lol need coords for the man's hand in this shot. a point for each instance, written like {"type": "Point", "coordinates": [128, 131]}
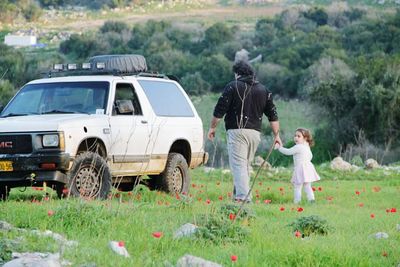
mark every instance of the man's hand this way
{"type": "Point", "coordinates": [211, 134]}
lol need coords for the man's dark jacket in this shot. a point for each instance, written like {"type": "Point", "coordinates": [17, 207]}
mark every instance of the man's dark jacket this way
{"type": "Point", "coordinates": [243, 102]}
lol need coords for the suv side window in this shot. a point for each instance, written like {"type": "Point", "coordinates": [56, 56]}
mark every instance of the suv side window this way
{"type": "Point", "coordinates": [166, 99]}
{"type": "Point", "coordinates": [125, 91]}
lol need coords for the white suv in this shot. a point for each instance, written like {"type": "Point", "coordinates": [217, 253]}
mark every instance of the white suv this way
{"type": "Point", "coordinates": [100, 126]}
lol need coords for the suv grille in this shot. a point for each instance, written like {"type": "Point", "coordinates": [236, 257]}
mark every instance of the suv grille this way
{"type": "Point", "coordinates": [15, 144]}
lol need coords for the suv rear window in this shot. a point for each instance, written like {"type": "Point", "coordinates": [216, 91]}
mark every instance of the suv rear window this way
{"type": "Point", "coordinates": [166, 99]}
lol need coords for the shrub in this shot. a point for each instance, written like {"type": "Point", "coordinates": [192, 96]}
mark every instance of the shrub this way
{"type": "Point", "coordinates": [311, 225]}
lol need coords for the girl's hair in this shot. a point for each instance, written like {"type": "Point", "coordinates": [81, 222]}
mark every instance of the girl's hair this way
{"type": "Point", "coordinates": [307, 135]}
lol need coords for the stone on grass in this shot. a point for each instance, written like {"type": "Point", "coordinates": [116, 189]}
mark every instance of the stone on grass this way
{"type": "Point", "coordinates": [5, 226]}
{"type": "Point", "coordinates": [193, 261]}
{"type": "Point", "coordinates": [186, 230]}
{"type": "Point", "coordinates": [381, 235]}
{"type": "Point", "coordinates": [34, 259]}
{"type": "Point", "coordinates": [57, 237]}
{"type": "Point", "coordinates": [339, 164]}
{"type": "Point", "coordinates": [118, 248]}
{"type": "Point", "coordinates": [398, 227]}
{"type": "Point", "coordinates": [371, 164]}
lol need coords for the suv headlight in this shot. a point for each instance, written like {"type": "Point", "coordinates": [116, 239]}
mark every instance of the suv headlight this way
{"type": "Point", "coordinates": [50, 140]}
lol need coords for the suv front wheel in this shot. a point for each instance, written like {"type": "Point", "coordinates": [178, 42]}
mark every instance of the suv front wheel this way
{"type": "Point", "coordinates": [175, 178]}
{"type": "Point", "coordinates": [89, 177]}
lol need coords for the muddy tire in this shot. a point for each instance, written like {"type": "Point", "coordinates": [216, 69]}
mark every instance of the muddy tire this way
{"type": "Point", "coordinates": [89, 177]}
{"type": "Point", "coordinates": [4, 192]}
{"type": "Point", "coordinates": [175, 178]}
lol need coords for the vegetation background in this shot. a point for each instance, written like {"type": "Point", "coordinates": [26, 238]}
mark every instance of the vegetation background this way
{"type": "Point", "coordinates": [332, 66]}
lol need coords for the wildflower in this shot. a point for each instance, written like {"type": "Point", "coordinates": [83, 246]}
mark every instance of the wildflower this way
{"type": "Point", "coordinates": [393, 210]}
{"type": "Point", "coordinates": [361, 204]}
{"type": "Point", "coordinates": [220, 197]}
{"type": "Point", "coordinates": [281, 189]}
{"type": "Point", "coordinates": [384, 254]}
{"type": "Point", "coordinates": [50, 212]}
{"type": "Point", "coordinates": [234, 258]}
{"type": "Point", "coordinates": [282, 208]}
{"type": "Point", "coordinates": [319, 188]}
{"type": "Point", "coordinates": [300, 209]}
{"type": "Point", "coordinates": [208, 201]}
{"type": "Point", "coordinates": [357, 193]}
{"type": "Point", "coordinates": [267, 201]}
{"type": "Point", "coordinates": [313, 188]}
{"type": "Point", "coordinates": [157, 234]}
{"type": "Point", "coordinates": [232, 216]}
{"type": "Point", "coordinates": [297, 234]}
{"type": "Point", "coordinates": [372, 215]}
{"type": "Point", "coordinates": [121, 244]}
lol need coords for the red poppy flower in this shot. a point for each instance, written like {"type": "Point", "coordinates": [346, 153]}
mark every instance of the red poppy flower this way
{"type": "Point", "coordinates": [300, 209]}
{"type": "Point", "coordinates": [372, 215]}
{"type": "Point", "coordinates": [121, 244]}
{"type": "Point", "coordinates": [387, 210]}
{"type": "Point", "coordinates": [260, 183]}
{"type": "Point", "coordinates": [282, 208]}
{"type": "Point", "coordinates": [220, 197]}
{"type": "Point", "coordinates": [393, 210]}
{"type": "Point", "coordinates": [117, 195]}
{"type": "Point", "coordinates": [361, 204]}
{"type": "Point", "coordinates": [234, 258]}
{"type": "Point", "coordinates": [208, 201]}
{"type": "Point", "coordinates": [319, 188]}
{"type": "Point", "coordinates": [193, 185]}
{"type": "Point", "coordinates": [384, 254]}
{"type": "Point", "coordinates": [257, 196]}
{"type": "Point", "coordinates": [267, 201]}
{"type": "Point", "coordinates": [280, 188]}
{"type": "Point", "coordinates": [50, 212]}
{"type": "Point", "coordinates": [232, 216]}
{"type": "Point", "coordinates": [357, 193]}
{"type": "Point", "coordinates": [157, 234]}
{"type": "Point", "coordinates": [297, 234]}
{"type": "Point", "coordinates": [313, 188]}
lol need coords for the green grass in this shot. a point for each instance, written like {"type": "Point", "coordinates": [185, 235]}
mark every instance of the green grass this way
{"type": "Point", "coordinates": [133, 217]}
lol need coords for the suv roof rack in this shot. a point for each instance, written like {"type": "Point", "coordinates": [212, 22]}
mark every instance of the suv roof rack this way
{"type": "Point", "coordinates": [63, 73]}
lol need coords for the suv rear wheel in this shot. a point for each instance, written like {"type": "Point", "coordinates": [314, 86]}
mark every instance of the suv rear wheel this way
{"type": "Point", "coordinates": [89, 177]}
{"type": "Point", "coordinates": [175, 178]}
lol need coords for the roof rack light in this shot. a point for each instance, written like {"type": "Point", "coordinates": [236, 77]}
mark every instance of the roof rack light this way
{"type": "Point", "coordinates": [72, 66]}
{"type": "Point", "coordinates": [58, 67]}
{"type": "Point", "coordinates": [86, 66]}
{"type": "Point", "coordinates": [100, 65]}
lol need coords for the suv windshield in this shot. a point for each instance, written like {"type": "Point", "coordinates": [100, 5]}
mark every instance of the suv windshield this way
{"type": "Point", "coordinates": [61, 97]}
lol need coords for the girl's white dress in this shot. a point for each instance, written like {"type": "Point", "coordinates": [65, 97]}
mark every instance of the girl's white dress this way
{"type": "Point", "coordinates": [304, 170]}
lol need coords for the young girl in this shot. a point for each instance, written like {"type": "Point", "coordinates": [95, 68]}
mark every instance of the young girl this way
{"type": "Point", "coordinates": [304, 172]}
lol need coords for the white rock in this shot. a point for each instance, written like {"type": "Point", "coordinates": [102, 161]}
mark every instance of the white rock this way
{"type": "Point", "coordinates": [185, 230]}
{"type": "Point", "coordinates": [381, 235]}
{"type": "Point", "coordinates": [339, 164]}
{"type": "Point", "coordinates": [35, 259]}
{"type": "Point", "coordinates": [121, 250]}
{"type": "Point", "coordinates": [192, 261]}
{"type": "Point", "coordinates": [208, 169]}
{"type": "Point", "coordinates": [226, 171]}
{"type": "Point", "coordinates": [371, 164]}
{"type": "Point", "coordinates": [398, 227]}
{"type": "Point", "coordinates": [5, 226]}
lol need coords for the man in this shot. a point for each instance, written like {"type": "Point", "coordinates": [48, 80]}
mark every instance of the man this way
{"type": "Point", "coordinates": [243, 103]}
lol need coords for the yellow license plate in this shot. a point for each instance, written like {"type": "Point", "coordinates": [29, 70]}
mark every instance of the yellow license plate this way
{"type": "Point", "coordinates": [6, 166]}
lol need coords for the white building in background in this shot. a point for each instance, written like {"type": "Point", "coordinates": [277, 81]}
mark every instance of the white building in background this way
{"type": "Point", "coordinates": [20, 40]}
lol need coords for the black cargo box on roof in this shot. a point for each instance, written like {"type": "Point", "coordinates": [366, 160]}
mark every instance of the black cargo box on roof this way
{"type": "Point", "coordinates": [121, 63]}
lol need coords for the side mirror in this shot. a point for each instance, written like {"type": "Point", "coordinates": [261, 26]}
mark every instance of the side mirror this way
{"type": "Point", "coordinates": [124, 107]}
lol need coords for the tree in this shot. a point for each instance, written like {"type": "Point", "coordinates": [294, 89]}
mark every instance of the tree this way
{"type": "Point", "coordinates": [217, 34]}
{"type": "Point", "coordinates": [216, 70]}
{"type": "Point", "coordinates": [194, 84]}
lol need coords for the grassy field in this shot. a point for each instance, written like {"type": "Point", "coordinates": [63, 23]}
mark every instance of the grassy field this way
{"type": "Point", "coordinates": [355, 205]}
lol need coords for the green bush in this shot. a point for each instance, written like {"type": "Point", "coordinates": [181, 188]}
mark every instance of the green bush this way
{"type": "Point", "coordinates": [311, 225]}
